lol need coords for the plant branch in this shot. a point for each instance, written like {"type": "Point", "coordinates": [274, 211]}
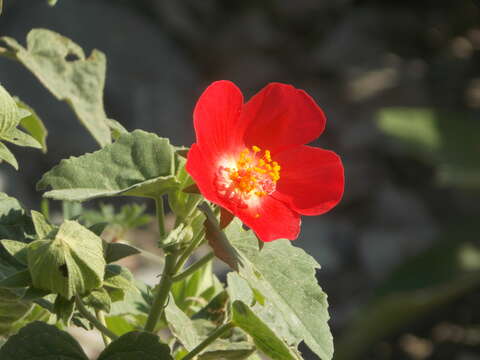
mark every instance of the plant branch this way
{"type": "Point", "coordinates": [93, 320]}
{"type": "Point", "coordinates": [160, 216]}
{"type": "Point", "coordinates": [213, 336]}
{"type": "Point", "coordinates": [101, 318]}
{"type": "Point", "coordinates": [161, 295]}
{"type": "Point", "coordinates": [194, 267]}
{"type": "Point", "coordinates": [189, 250]}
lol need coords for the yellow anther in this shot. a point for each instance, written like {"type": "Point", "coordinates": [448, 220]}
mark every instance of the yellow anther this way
{"type": "Point", "coordinates": [268, 156]}
{"type": "Point", "coordinates": [256, 149]}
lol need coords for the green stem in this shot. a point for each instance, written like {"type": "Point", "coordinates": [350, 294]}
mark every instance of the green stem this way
{"type": "Point", "coordinates": [161, 295]}
{"type": "Point", "coordinates": [89, 316]}
{"type": "Point", "coordinates": [101, 317]}
{"type": "Point", "coordinates": [194, 267]}
{"type": "Point", "coordinates": [213, 336]}
{"type": "Point", "coordinates": [160, 216]}
{"type": "Point", "coordinates": [189, 250]}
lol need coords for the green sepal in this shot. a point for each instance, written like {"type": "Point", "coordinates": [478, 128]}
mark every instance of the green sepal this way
{"type": "Point", "coordinates": [71, 263]}
{"type": "Point", "coordinates": [64, 309]}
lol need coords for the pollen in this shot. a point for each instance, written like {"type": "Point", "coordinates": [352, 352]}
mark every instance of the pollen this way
{"type": "Point", "coordinates": [251, 176]}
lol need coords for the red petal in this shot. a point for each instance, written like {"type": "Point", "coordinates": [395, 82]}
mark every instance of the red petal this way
{"type": "Point", "coordinates": [202, 170]}
{"type": "Point", "coordinates": [275, 220]}
{"type": "Point", "coordinates": [216, 117]}
{"type": "Point", "coordinates": [280, 117]}
{"type": "Point", "coordinates": [311, 179]}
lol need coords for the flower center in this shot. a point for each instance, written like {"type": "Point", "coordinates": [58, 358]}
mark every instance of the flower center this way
{"type": "Point", "coordinates": [251, 176]}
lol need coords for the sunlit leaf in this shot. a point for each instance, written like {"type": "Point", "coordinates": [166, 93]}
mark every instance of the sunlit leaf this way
{"type": "Point", "coordinates": [285, 275]}
{"type": "Point", "coordinates": [137, 164]}
{"type": "Point", "coordinates": [62, 67]}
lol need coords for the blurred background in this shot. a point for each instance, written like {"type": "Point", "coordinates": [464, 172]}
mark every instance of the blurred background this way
{"type": "Point", "coordinates": [400, 84]}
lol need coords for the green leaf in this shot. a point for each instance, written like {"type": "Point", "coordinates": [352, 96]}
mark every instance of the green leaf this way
{"type": "Point", "coordinates": [33, 125]}
{"type": "Point", "coordinates": [196, 290]}
{"type": "Point", "coordinates": [137, 164]}
{"type": "Point", "coordinates": [42, 227]}
{"type": "Point", "coordinates": [14, 222]}
{"type": "Point", "coordinates": [9, 115]}
{"type": "Point", "coordinates": [181, 326]}
{"type": "Point", "coordinates": [136, 345]}
{"type": "Point", "coordinates": [228, 350]}
{"type": "Point", "coordinates": [215, 310]}
{"type": "Point", "coordinates": [80, 82]}
{"type": "Point", "coordinates": [71, 263]}
{"type": "Point", "coordinates": [41, 341]}
{"type": "Point", "coordinates": [185, 330]}
{"type": "Point", "coordinates": [18, 280]}
{"type": "Point", "coordinates": [297, 305]}
{"type": "Point", "coordinates": [17, 249]}
{"type": "Point", "coordinates": [18, 137]}
{"type": "Point", "coordinates": [99, 300]}
{"type": "Point", "coordinates": [52, 2]}
{"type": "Point", "coordinates": [117, 251]}
{"type": "Point", "coordinates": [64, 308]}
{"type": "Point", "coordinates": [7, 156]}
{"type": "Point", "coordinates": [119, 324]}
{"type": "Point", "coordinates": [262, 335]}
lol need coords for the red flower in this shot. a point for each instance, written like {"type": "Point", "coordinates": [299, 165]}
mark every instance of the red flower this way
{"type": "Point", "coordinates": [251, 159]}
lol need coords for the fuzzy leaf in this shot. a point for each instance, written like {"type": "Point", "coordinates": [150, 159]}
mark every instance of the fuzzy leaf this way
{"type": "Point", "coordinates": [137, 164]}
{"type": "Point", "coordinates": [263, 336]}
{"type": "Point", "coordinates": [9, 115]}
{"type": "Point", "coordinates": [62, 67]}
{"type": "Point", "coordinates": [71, 263]}
{"type": "Point", "coordinates": [181, 326]}
{"type": "Point", "coordinates": [41, 341]}
{"type": "Point", "coordinates": [17, 249]}
{"type": "Point", "coordinates": [33, 125]}
{"type": "Point", "coordinates": [42, 227]}
{"type": "Point", "coordinates": [287, 275]}
{"type": "Point", "coordinates": [136, 345]}
{"type": "Point", "coordinates": [7, 156]}
{"type": "Point", "coordinates": [117, 251]}
{"type": "Point", "coordinates": [18, 280]}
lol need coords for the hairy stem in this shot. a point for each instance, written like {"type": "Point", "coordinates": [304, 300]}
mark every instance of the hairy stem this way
{"type": "Point", "coordinates": [213, 336]}
{"type": "Point", "coordinates": [93, 320]}
{"type": "Point", "coordinates": [160, 216]}
{"type": "Point", "coordinates": [161, 295]}
{"type": "Point", "coordinates": [197, 239]}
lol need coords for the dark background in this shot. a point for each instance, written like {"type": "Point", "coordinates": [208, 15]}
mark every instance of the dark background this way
{"type": "Point", "coordinates": [399, 257]}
